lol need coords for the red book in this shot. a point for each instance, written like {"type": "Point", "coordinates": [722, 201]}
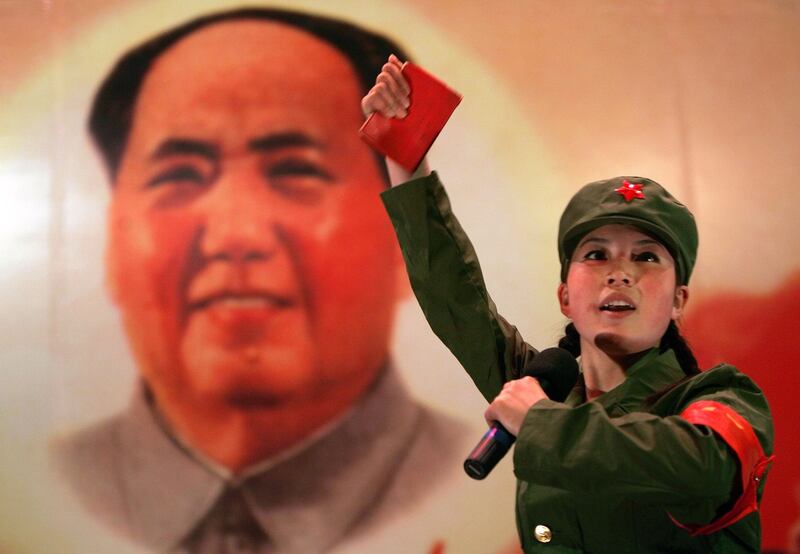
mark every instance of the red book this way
{"type": "Point", "coordinates": [407, 140]}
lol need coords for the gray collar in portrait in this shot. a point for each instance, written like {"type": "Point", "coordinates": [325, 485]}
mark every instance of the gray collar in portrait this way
{"type": "Point", "coordinates": [368, 466]}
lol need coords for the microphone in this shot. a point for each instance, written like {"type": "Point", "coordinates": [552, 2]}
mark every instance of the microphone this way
{"type": "Point", "coordinates": [556, 370]}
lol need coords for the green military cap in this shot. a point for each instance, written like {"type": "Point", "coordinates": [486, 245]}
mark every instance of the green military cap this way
{"type": "Point", "coordinates": [635, 201]}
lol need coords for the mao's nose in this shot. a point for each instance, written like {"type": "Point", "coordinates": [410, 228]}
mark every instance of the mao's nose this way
{"type": "Point", "coordinates": [240, 223]}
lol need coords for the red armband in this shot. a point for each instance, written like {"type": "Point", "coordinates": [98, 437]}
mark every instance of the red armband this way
{"type": "Point", "coordinates": [740, 437]}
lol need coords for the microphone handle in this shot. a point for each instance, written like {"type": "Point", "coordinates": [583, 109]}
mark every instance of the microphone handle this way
{"type": "Point", "coordinates": [494, 445]}
{"type": "Point", "coordinates": [490, 450]}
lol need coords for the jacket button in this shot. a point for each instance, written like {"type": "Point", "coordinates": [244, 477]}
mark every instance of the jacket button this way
{"type": "Point", "coordinates": [543, 533]}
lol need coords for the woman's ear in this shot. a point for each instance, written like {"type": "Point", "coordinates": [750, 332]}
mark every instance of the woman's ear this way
{"type": "Point", "coordinates": [563, 299]}
{"type": "Point", "coordinates": [679, 302]}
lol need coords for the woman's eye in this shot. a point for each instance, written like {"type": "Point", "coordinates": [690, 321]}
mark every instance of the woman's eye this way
{"type": "Point", "coordinates": [595, 255]}
{"type": "Point", "coordinates": [646, 257]}
{"type": "Point", "coordinates": [180, 174]}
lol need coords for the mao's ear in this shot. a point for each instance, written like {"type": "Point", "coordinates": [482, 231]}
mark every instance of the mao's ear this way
{"type": "Point", "coordinates": [402, 289]}
{"type": "Point", "coordinates": [563, 299]}
{"type": "Point", "coordinates": [112, 267]}
{"type": "Point", "coordinates": [679, 302]}
{"type": "Point", "coordinates": [111, 281]}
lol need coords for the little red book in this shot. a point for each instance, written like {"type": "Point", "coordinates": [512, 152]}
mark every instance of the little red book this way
{"type": "Point", "coordinates": [407, 140]}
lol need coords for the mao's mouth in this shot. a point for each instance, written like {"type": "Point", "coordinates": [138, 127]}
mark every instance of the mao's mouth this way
{"type": "Point", "coordinates": [242, 301]}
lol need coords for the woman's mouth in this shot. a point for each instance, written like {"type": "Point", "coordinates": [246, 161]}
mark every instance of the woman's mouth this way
{"type": "Point", "coordinates": [617, 306]}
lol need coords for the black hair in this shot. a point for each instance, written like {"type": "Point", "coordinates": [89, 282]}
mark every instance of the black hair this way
{"type": "Point", "coordinates": [672, 339]}
{"type": "Point", "coordinates": [111, 114]}
{"type": "Point", "coordinates": [571, 341]}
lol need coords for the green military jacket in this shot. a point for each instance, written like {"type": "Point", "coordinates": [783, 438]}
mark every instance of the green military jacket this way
{"type": "Point", "coordinates": [601, 476]}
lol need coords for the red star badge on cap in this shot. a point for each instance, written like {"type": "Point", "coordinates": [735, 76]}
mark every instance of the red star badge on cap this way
{"type": "Point", "coordinates": [630, 190]}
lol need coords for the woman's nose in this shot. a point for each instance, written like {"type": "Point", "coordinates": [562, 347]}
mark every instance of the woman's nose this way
{"type": "Point", "coordinates": [621, 274]}
{"type": "Point", "coordinates": [618, 279]}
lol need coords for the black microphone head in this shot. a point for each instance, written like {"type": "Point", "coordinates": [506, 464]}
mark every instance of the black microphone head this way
{"type": "Point", "coordinates": [556, 370]}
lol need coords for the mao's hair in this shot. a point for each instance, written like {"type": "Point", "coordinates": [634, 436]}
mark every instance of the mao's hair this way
{"type": "Point", "coordinates": [111, 112]}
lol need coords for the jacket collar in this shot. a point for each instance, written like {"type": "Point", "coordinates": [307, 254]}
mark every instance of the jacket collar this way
{"type": "Point", "coordinates": [652, 372]}
{"type": "Point", "coordinates": [304, 501]}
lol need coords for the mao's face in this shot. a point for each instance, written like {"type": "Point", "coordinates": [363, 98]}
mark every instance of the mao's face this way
{"type": "Point", "coordinates": [249, 252]}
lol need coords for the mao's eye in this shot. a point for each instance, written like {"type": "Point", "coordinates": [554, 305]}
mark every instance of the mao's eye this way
{"type": "Point", "coordinates": [595, 255]}
{"type": "Point", "coordinates": [179, 174]}
{"type": "Point", "coordinates": [298, 168]}
{"type": "Point", "coordinates": [646, 257]}
{"type": "Point", "coordinates": [299, 180]}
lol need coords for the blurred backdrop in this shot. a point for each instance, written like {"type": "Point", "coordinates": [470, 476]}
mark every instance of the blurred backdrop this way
{"type": "Point", "coordinates": [700, 96]}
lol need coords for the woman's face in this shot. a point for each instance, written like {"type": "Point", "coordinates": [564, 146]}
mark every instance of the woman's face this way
{"type": "Point", "coordinates": [621, 290]}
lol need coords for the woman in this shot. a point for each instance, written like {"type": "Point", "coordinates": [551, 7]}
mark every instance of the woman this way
{"type": "Point", "coordinates": [647, 453]}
